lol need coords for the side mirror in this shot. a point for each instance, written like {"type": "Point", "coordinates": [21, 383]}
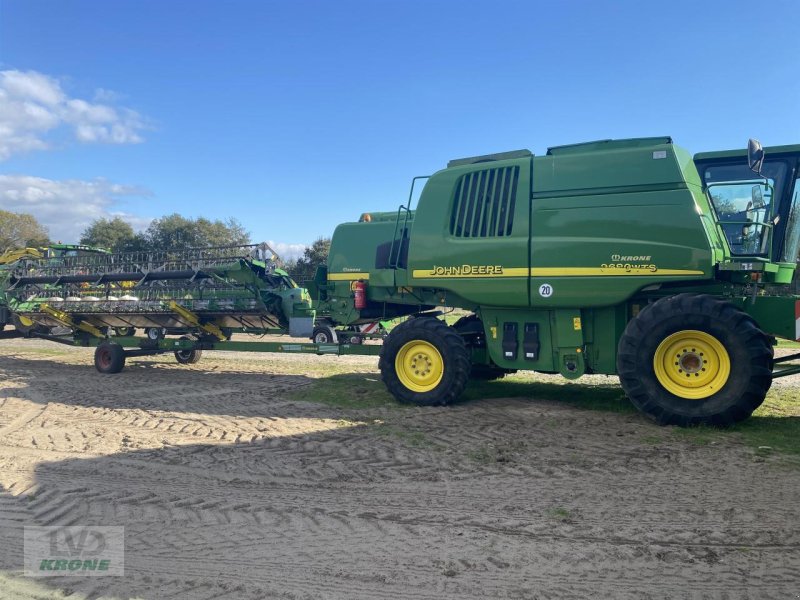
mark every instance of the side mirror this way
{"type": "Point", "coordinates": [755, 155]}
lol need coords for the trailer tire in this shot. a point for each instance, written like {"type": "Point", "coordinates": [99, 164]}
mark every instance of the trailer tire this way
{"type": "Point", "coordinates": [693, 359]}
{"type": "Point", "coordinates": [188, 357]}
{"type": "Point", "coordinates": [155, 334]}
{"type": "Point", "coordinates": [109, 358]}
{"type": "Point", "coordinates": [424, 362]}
{"type": "Point", "coordinates": [324, 334]}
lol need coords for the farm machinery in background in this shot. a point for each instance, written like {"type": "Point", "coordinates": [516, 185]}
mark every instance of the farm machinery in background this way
{"type": "Point", "coordinates": [617, 257]}
{"type": "Point", "coordinates": [51, 254]}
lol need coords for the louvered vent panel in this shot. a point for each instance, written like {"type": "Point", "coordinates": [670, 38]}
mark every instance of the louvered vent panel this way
{"type": "Point", "coordinates": [484, 203]}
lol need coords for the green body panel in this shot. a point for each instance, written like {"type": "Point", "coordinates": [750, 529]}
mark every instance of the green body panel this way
{"type": "Point", "coordinates": [599, 230]}
{"type": "Point", "coordinates": [774, 314]}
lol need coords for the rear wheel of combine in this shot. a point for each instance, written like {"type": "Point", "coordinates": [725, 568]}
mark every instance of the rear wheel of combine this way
{"type": "Point", "coordinates": [109, 358]}
{"type": "Point", "coordinates": [188, 357]}
{"type": "Point", "coordinates": [695, 360]}
{"type": "Point", "coordinates": [124, 331]}
{"type": "Point", "coordinates": [424, 362]}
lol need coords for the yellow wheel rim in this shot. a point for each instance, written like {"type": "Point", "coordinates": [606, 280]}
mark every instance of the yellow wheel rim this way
{"type": "Point", "coordinates": [419, 366]}
{"type": "Point", "coordinates": [692, 364]}
{"type": "Point", "coordinates": [24, 321]}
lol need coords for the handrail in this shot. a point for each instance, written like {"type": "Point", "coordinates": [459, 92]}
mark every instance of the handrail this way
{"type": "Point", "coordinates": [394, 257]}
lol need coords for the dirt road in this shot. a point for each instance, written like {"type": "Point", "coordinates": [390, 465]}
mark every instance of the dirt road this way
{"type": "Point", "coordinates": [232, 481]}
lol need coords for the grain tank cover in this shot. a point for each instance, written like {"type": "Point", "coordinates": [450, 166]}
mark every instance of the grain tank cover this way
{"type": "Point", "coordinates": [608, 145]}
{"type": "Point", "coordinates": [458, 162]}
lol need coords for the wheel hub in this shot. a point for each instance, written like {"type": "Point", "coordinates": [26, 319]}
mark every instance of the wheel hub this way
{"type": "Point", "coordinates": [419, 366]}
{"type": "Point", "coordinates": [692, 364]}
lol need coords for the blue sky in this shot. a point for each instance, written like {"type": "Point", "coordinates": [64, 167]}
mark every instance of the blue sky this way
{"type": "Point", "coordinates": [295, 116]}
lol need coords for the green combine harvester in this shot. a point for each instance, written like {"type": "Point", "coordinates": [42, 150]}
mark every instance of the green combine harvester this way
{"type": "Point", "coordinates": [618, 257]}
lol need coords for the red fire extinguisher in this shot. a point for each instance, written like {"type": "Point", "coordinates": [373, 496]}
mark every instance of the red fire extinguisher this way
{"type": "Point", "coordinates": [360, 295]}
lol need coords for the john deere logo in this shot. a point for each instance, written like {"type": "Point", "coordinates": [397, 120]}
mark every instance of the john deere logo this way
{"type": "Point", "coordinates": [462, 270]}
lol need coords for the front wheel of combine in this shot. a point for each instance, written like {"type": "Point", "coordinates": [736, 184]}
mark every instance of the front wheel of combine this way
{"type": "Point", "coordinates": [695, 360]}
{"type": "Point", "coordinates": [424, 362]}
{"type": "Point", "coordinates": [188, 357]}
{"type": "Point", "coordinates": [109, 358]}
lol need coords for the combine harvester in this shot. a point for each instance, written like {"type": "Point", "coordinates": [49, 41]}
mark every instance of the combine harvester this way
{"type": "Point", "coordinates": [618, 257]}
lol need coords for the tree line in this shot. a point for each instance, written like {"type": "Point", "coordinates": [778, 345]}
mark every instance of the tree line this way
{"type": "Point", "coordinates": [171, 232]}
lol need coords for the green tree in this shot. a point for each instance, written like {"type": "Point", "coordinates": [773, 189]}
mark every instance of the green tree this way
{"type": "Point", "coordinates": [175, 232]}
{"type": "Point", "coordinates": [304, 268]}
{"type": "Point", "coordinates": [20, 230]}
{"type": "Point", "coordinates": [114, 234]}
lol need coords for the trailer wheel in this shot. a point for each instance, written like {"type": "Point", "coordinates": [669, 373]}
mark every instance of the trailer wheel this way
{"type": "Point", "coordinates": [424, 362]}
{"type": "Point", "coordinates": [188, 357]}
{"type": "Point", "coordinates": [155, 333]}
{"type": "Point", "coordinates": [324, 334]}
{"type": "Point", "coordinates": [695, 360]}
{"type": "Point", "coordinates": [109, 358]}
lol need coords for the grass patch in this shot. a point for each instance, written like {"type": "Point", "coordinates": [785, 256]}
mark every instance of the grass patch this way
{"type": "Point", "coordinates": [787, 344]}
{"type": "Point", "coordinates": [559, 514]}
{"type": "Point", "coordinates": [776, 423]}
{"type": "Point", "coordinates": [350, 390]}
{"type": "Point", "coordinates": [774, 427]}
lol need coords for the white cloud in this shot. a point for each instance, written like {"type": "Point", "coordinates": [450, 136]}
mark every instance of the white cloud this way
{"type": "Point", "coordinates": [34, 107]}
{"type": "Point", "coordinates": [67, 207]}
{"type": "Point", "coordinates": [286, 250]}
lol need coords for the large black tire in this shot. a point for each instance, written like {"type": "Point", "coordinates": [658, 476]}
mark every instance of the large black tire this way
{"type": "Point", "coordinates": [424, 362]}
{"type": "Point", "coordinates": [188, 357]}
{"type": "Point", "coordinates": [109, 358]}
{"type": "Point", "coordinates": [471, 329]}
{"type": "Point", "coordinates": [656, 352]}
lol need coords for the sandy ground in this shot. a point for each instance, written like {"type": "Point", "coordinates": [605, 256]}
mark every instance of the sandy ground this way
{"type": "Point", "coordinates": [229, 488]}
